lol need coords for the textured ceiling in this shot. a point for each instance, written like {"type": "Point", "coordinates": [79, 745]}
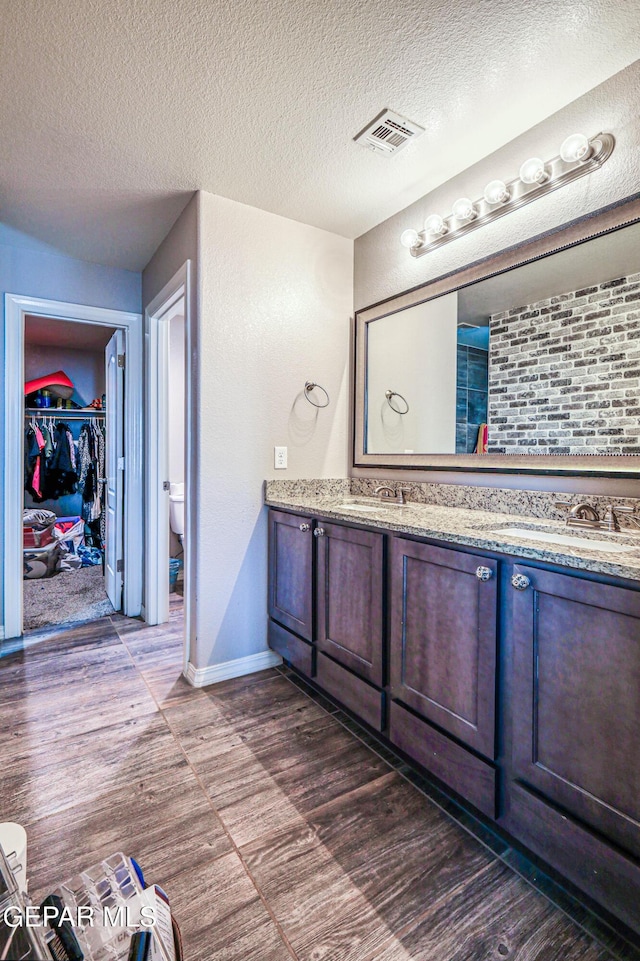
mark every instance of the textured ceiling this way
{"type": "Point", "coordinates": [112, 112]}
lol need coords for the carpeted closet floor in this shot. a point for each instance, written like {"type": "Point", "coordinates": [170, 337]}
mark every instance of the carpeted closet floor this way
{"type": "Point", "coordinates": [67, 597]}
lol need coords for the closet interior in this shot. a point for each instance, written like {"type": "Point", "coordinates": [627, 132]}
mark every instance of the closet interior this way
{"type": "Point", "coordinates": [65, 446]}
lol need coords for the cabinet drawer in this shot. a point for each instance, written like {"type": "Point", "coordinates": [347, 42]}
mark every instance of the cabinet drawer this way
{"type": "Point", "coordinates": [444, 614]}
{"type": "Point", "coordinates": [357, 695]}
{"type": "Point", "coordinates": [466, 774]}
{"type": "Point", "coordinates": [349, 599]}
{"type": "Point", "coordinates": [291, 571]}
{"type": "Point", "coordinates": [576, 711]}
{"type": "Point", "coordinates": [297, 652]}
{"type": "Point", "coordinates": [594, 866]}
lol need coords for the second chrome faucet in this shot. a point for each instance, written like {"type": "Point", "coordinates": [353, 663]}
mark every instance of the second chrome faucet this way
{"type": "Point", "coordinates": [584, 515]}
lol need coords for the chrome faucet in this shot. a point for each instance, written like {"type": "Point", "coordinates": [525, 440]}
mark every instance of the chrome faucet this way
{"type": "Point", "coordinates": [584, 512]}
{"type": "Point", "coordinates": [388, 494]}
{"type": "Point", "coordinates": [584, 515]}
{"type": "Point", "coordinates": [581, 515]}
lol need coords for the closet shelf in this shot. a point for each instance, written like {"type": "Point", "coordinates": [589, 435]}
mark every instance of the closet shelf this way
{"type": "Point", "coordinates": [61, 414]}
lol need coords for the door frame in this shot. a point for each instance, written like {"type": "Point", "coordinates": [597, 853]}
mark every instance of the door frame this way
{"type": "Point", "coordinates": [156, 332]}
{"type": "Point", "coordinates": [113, 474]}
{"type": "Point", "coordinates": [16, 307]}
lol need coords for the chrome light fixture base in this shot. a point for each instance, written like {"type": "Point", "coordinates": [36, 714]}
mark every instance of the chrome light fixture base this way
{"type": "Point", "coordinates": [559, 173]}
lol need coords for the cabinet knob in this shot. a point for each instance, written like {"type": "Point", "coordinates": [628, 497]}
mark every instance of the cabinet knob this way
{"type": "Point", "coordinates": [484, 573]}
{"type": "Point", "coordinates": [520, 582]}
{"type": "Point", "coordinates": [319, 532]}
{"type": "Point", "coordinates": [305, 527]}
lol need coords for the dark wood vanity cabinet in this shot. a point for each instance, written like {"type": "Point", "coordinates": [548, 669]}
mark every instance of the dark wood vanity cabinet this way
{"type": "Point", "coordinates": [576, 714]}
{"type": "Point", "coordinates": [338, 639]}
{"type": "Point", "coordinates": [576, 729]}
{"type": "Point", "coordinates": [291, 572]}
{"type": "Point", "coordinates": [349, 618]}
{"type": "Point", "coordinates": [290, 600]}
{"type": "Point", "coordinates": [350, 590]}
{"type": "Point", "coordinates": [444, 615]}
{"type": "Point", "coordinates": [408, 635]}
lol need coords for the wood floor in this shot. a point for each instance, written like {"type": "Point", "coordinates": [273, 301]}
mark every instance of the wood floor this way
{"type": "Point", "coordinates": [276, 832]}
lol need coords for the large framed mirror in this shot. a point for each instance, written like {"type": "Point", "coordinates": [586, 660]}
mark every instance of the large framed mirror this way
{"type": "Point", "coordinates": [529, 361]}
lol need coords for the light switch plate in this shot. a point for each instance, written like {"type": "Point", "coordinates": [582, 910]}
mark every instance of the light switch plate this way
{"type": "Point", "coordinates": [280, 458]}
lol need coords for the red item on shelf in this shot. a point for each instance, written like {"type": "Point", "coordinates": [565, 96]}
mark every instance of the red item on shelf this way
{"type": "Point", "coordinates": [58, 383]}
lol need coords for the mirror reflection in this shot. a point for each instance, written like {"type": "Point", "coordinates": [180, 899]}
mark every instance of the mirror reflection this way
{"type": "Point", "coordinates": [541, 359]}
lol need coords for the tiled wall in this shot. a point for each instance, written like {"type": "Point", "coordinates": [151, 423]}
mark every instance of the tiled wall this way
{"type": "Point", "coordinates": [564, 374]}
{"type": "Point", "coordinates": [471, 396]}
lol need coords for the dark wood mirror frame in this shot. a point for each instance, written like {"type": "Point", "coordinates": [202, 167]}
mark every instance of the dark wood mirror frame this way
{"type": "Point", "coordinates": [586, 228]}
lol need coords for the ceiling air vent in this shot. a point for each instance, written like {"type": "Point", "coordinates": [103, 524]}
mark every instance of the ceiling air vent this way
{"type": "Point", "coordinates": [388, 132]}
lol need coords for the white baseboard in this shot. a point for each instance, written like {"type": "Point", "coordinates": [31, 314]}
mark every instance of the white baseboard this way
{"type": "Point", "coordinates": [202, 676]}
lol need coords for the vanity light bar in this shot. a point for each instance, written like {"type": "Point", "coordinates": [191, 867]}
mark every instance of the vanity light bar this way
{"type": "Point", "coordinates": [578, 156]}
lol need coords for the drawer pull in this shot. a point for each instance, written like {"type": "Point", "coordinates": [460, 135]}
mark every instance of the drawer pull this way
{"type": "Point", "coordinates": [319, 532]}
{"type": "Point", "coordinates": [520, 582]}
{"type": "Point", "coordinates": [305, 527]}
{"type": "Point", "coordinates": [484, 573]}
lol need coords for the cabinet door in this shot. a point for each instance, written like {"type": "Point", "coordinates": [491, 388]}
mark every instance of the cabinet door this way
{"type": "Point", "coordinates": [577, 699]}
{"type": "Point", "coordinates": [291, 571]}
{"type": "Point", "coordinates": [443, 639]}
{"type": "Point", "coordinates": [349, 592]}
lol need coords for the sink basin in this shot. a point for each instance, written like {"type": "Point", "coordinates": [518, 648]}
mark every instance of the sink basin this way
{"type": "Point", "coordinates": [565, 540]}
{"type": "Point", "coordinates": [373, 504]}
{"type": "Point", "coordinates": [368, 508]}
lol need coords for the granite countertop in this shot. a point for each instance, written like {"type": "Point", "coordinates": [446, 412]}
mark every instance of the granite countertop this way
{"type": "Point", "coordinates": [473, 528]}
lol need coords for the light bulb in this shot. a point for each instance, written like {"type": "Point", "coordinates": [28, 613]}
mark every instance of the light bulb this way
{"type": "Point", "coordinates": [496, 192]}
{"type": "Point", "coordinates": [434, 224]}
{"type": "Point", "coordinates": [532, 171]}
{"type": "Point", "coordinates": [576, 147]}
{"type": "Point", "coordinates": [463, 209]}
{"type": "Point", "coordinates": [409, 238]}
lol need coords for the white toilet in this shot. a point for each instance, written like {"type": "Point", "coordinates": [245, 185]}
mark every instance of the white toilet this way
{"type": "Point", "coordinates": [176, 510]}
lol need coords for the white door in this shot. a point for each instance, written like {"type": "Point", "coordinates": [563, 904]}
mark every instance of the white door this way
{"type": "Point", "coordinates": [114, 464]}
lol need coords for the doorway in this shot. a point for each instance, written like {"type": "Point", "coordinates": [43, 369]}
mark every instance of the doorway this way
{"type": "Point", "coordinates": [169, 449]}
{"type": "Point", "coordinates": [73, 492]}
{"type": "Point", "coordinates": [120, 334]}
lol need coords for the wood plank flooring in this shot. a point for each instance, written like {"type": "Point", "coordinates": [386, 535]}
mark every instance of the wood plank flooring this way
{"type": "Point", "coordinates": [276, 831]}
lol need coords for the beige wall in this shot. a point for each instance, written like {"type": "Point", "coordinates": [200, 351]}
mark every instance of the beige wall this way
{"type": "Point", "coordinates": [180, 245]}
{"type": "Point", "coordinates": [383, 268]}
{"type": "Point", "coordinates": [276, 297]}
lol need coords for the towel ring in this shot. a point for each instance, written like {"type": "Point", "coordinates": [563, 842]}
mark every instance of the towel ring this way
{"type": "Point", "coordinates": [308, 387]}
{"type": "Point", "coordinates": [394, 393]}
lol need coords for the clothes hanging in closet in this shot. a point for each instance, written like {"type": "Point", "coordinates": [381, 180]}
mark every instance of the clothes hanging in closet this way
{"type": "Point", "coordinates": [35, 461]}
{"type": "Point", "coordinates": [61, 476]}
{"type": "Point", "coordinates": [55, 465]}
{"type": "Point", "coordinates": [91, 466]}
{"type": "Point", "coordinates": [50, 462]}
